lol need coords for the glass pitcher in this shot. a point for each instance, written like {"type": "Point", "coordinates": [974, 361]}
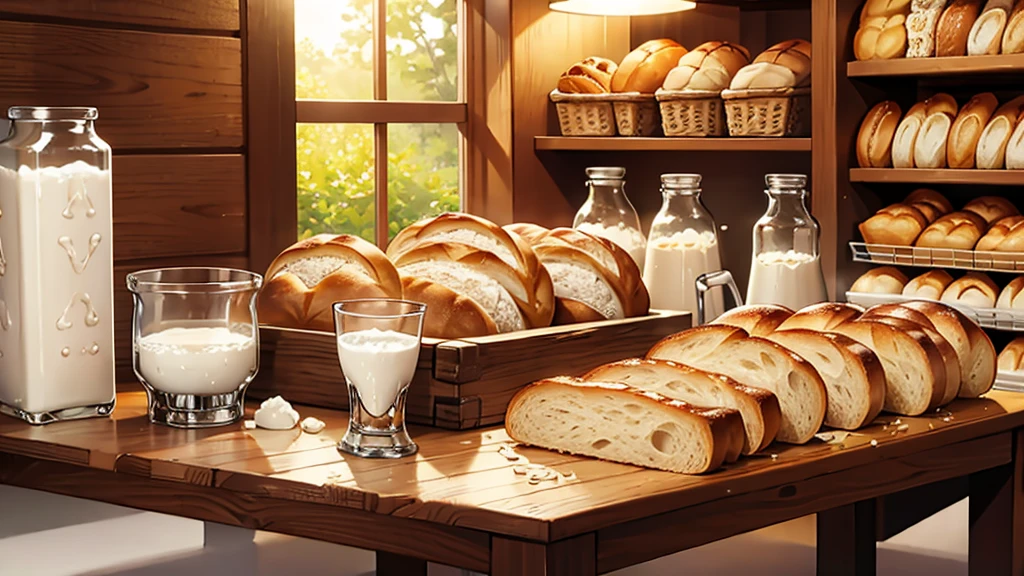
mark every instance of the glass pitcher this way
{"type": "Point", "coordinates": [609, 214]}
{"type": "Point", "coordinates": [682, 245]}
{"type": "Point", "coordinates": [786, 267]}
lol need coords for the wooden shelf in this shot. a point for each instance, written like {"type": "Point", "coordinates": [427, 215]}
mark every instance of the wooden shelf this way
{"type": "Point", "coordinates": [956, 65]}
{"type": "Point", "coordinates": [623, 144]}
{"type": "Point", "coordinates": [943, 176]}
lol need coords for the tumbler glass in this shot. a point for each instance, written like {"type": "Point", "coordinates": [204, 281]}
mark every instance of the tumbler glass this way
{"type": "Point", "coordinates": [378, 348]}
{"type": "Point", "coordinates": [195, 343]}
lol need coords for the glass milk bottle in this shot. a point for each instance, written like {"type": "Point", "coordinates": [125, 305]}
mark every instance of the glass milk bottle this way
{"type": "Point", "coordinates": [56, 277]}
{"type": "Point", "coordinates": [786, 265]}
{"type": "Point", "coordinates": [682, 245]}
{"type": "Point", "coordinates": [609, 214]}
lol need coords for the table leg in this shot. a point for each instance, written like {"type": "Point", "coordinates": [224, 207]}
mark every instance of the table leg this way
{"type": "Point", "coordinates": [573, 557]}
{"type": "Point", "coordinates": [395, 565]}
{"type": "Point", "coordinates": [997, 517]}
{"type": "Point", "coordinates": [846, 540]}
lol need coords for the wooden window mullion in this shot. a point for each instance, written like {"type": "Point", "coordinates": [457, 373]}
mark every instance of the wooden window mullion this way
{"type": "Point", "coordinates": [380, 130]}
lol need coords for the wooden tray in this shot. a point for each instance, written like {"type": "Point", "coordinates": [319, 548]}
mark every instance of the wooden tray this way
{"type": "Point", "coordinates": [459, 384]}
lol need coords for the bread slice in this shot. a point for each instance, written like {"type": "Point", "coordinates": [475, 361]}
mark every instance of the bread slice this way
{"type": "Point", "coordinates": [759, 363]}
{"type": "Point", "coordinates": [853, 375]}
{"type": "Point", "coordinates": [758, 408]}
{"type": "Point", "coordinates": [699, 342]}
{"type": "Point", "coordinates": [978, 364]}
{"type": "Point", "coordinates": [616, 422]}
{"type": "Point", "coordinates": [756, 319]}
{"type": "Point", "coordinates": [914, 368]}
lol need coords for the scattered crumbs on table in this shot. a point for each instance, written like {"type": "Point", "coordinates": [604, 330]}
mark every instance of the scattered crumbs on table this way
{"type": "Point", "coordinates": [931, 426]}
{"type": "Point", "coordinates": [466, 442]}
{"type": "Point", "coordinates": [903, 428]}
{"type": "Point", "coordinates": [775, 456]}
{"type": "Point", "coordinates": [728, 490]}
{"type": "Point", "coordinates": [897, 422]}
{"type": "Point", "coordinates": [874, 442]}
{"type": "Point", "coordinates": [947, 418]}
{"type": "Point", "coordinates": [519, 470]}
{"type": "Point", "coordinates": [250, 424]}
{"type": "Point", "coordinates": [509, 452]}
{"type": "Point", "coordinates": [570, 475]}
{"type": "Point", "coordinates": [545, 475]}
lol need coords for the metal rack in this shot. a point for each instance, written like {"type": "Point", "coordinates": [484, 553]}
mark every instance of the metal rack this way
{"type": "Point", "coordinates": [994, 318]}
{"type": "Point", "coordinates": [938, 257]}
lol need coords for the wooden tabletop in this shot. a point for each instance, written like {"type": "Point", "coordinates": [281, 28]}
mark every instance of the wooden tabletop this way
{"type": "Point", "coordinates": [462, 483]}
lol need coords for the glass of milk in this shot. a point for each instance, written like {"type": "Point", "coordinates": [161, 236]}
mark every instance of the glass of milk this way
{"type": "Point", "coordinates": [379, 348]}
{"type": "Point", "coordinates": [195, 342]}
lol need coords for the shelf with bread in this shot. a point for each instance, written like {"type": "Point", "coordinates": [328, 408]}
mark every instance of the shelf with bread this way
{"type": "Point", "coordinates": [948, 66]}
{"type": "Point", "coordinates": [612, 144]}
{"type": "Point", "coordinates": [713, 90]}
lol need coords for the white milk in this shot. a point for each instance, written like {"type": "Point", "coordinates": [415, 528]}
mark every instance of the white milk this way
{"type": "Point", "coordinates": [672, 266]}
{"type": "Point", "coordinates": [56, 288]}
{"type": "Point", "coordinates": [201, 361]}
{"type": "Point", "coordinates": [380, 364]}
{"type": "Point", "coordinates": [791, 279]}
{"type": "Point", "coordinates": [629, 239]}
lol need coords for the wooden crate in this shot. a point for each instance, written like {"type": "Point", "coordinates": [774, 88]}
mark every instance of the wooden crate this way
{"type": "Point", "coordinates": [459, 384]}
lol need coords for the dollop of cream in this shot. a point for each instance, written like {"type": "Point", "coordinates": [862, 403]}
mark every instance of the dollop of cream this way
{"type": "Point", "coordinates": [276, 414]}
{"type": "Point", "coordinates": [312, 425]}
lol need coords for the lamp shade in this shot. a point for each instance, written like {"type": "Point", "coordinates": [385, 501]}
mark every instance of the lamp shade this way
{"type": "Point", "coordinates": [620, 7]}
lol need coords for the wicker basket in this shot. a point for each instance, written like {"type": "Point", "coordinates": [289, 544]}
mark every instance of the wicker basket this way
{"type": "Point", "coordinates": [768, 112]}
{"type": "Point", "coordinates": [691, 113]}
{"type": "Point", "coordinates": [636, 114]}
{"type": "Point", "coordinates": [584, 114]}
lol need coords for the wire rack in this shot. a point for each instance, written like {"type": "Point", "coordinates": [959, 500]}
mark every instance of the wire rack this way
{"type": "Point", "coordinates": [1011, 381]}
{"type": "Point", "coordinates": [994, 318]}
{"type": "Point", "coordinates": [938, 257]}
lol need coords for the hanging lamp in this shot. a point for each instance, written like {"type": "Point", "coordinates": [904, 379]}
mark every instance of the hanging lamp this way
{"type": "Point", "coordinates": [620, 7]}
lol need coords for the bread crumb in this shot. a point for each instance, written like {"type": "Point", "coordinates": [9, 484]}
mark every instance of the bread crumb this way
{"type": "Point", "coordinates": [250, 424]}
{"type": "Point", "coordinates": [508, 452]}
{"type": "Point", "coordinates": [874, 442]}
{"type": "Point", "coordinates": [903, 428]}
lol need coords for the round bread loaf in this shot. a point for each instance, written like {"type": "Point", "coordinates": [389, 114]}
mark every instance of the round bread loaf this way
{"type": "Point", "coordinates": [644, 70]}
{"type": "Point", "coordinates": [1006, 235]}
{"type": "Point", "coordinates": [1011, 359]}
{"type": "Point", "coordinates": [1012, 297]}
{"type": "Point", "coordinates": [881, 37]}
{"type": "Point", "coordinates": [896, 225]}
{"type": "Point", "coordinates": [992, 208]}
{"type": "Point", "coordinates": [958, 230]}
{"type": "Point", "coordinates": [588, 76]}
{"type": "Point", "coordinates": [710, 66]}
{"type": "Point", "coordinates": [929, 285]}
{"type": "Point", "coordinates": [874, 140]}
{"type": "Point", "coordinates": [822, 317]}
{"type": "Point", "coordinates": [974, 289]}
{"type": "Point", "coordinates": [756, 319]}
{"type": "Point", "coordinates": [881, 280]}
{"type": "Point", "coordinates": [784, 65]}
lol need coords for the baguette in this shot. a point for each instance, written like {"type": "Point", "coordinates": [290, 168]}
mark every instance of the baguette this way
{"type": "Point", "coordinates": [974, 289]}
{"type": "Point", "coordinates": [755, 319]}
{"type": "Point", "coordinates": [1013, 35]}
{"type": "Point", "coordinates": [986, 34]}
{"type": "Point", "coordinates": [881, 280]}
{"type": "Point", "coordinates": [822, 317]}
{"type": "Point", "coordinates": [622, 424]}
{"type": "Point", "coordinates": [967, 128]}
{"type": "Point", "coordinates": [895, 225]}
{"type": "Point", "coordinates": [929, 285]}
{"type": "Point", "coordinates": [958, 230]}
{"type": "Point", "coordinates": [954, 27]}
{"type": "Point", "coordinates": [760, 363]}
{"type": "Point", "coordinates": [992, 208]}
{"type": "Point", "coordinates": [874, 140]}
{"type": "Point", "coordinates": [978, 366]}
{"type": "Point", "coordinates": [991, 151]}
{"type": "Point", "coordinates": [758, 408]}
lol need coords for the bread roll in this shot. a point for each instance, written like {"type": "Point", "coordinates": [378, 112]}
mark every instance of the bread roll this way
{"type": "Point", "coordinates": [881, 37]}
{"type": "Point", "coordinates": [710, 66]}
{"type": "Point", "coordinates": [991, 208]}
{"type": "Point", "coordinates": [784, 65]}
{"type": "Point", "coordinates": [822, 317]}
{"type": "Point", "coordinates": [793, 54]}
{"type": "Point", "coordinates": [644, 70]}
{"type": "Point", "coordinates": [921, 25]}
{"type": "Point", "coordinates": [974, 289]}
{"type": "Point", "coordinates": [590, 419]}
{"type": "Point", "coordinates": [883, 8]}
{"type": "Point", "coordinates": [955, 26]}
{"type": "Point", "coordinates": [306, 279]}
{"type": "Point", "coordinates": [978, 367]}
{"type": "Point", "coordinates": [881, 280]}
{"type": "Point", "coordinates": [931, 141]}
{"type": "Point", "coordinates": [755, 319]}
{"type": "Point", "coordinates": [758, 408]}
{"type": "Point", "coordinates": [874, 140]}
{"type": "Point", "coordinates": [958, 230]}
{"type": "Point", "coordinates": [967, 129]}
{"type": "Point", "coordinates": [1006, 235]}
{"type": "Point", "coordinates": [588, 76]}
{"type": "Point", "coordinates": [904, 144]}
{"type": "Point", "coordinates": [896, 225]}
{"type": "Point", "coordinates": [1013, 35]}
{"type": "Point", "coordinates": [929, 202]}
{"type": "Point", "coordinates": [1012, 297]}
{"type": "Point", "coordinates": [991, 151]}
{"type": "Point", "coordinates": [1011, 359]}
{"type": "Point", "coordinates": [986, 34]}
{"type": "Point", "coordinates": [929, 285]}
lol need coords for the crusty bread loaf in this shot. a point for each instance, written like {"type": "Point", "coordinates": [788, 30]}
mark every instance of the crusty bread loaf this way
{"type": "Point", "coordinates": [306, 279]}
{"type": "Point", "coordinates": [874, 140]}
{"type": "Point", "coordinates": [644, 70]}
{"type": "Point", "coordinates": [958, 230]}
{"type": "Point", "coordinates": [619, 423]}
{"type": "Point", "coordinates": [967, 128]}
{"type": "Point", "coordinates": [755, 319]}
{"type": "Point", "coordinates": [929, 285]}
{"type": "Point", "coordinates": [930, 203]}
{"type": "Point", "coordinates": [992, 208]}
{"type": "Point", "coordinates": [591, 75]}
{"type": "Point", "coordinates": [881, 280]}
{"type": "Point", "coordinates": [905, 141]}
{"type": "Point", "coordinates": [708, 67]}
{"type": "Point", "coordinates": [933, 140]}
{"type": "Point", "coordinates": [1012, 296]}
{"type": "Point", "coordinates": [1015, 146]}
{"type": "Point", "coordinates": [991, 151]}
{"type": "Point", "coordinates": [921, 24]}
{"type": "Point", "coordinates": [760, 363]}
{"type": "Point", "coordinates": [978, 367]}
{"type": "Point", "coordinates": [881, 37]}
{"type": "Point", "coordinates": [895, 225]}
{"type": "Point", "coordinates": [822, 317]}
{"type": "Point", "coordinates": [1006, 235]}
{"type": "Point", "coordinates": [954, 27]}
{"type": "Point", "coordinates": [1011, 359]}
{"type": "Point", "coordinates": [1013, 35]}
{"type": "Point", "coordinates": [986, 36]}
{"type": "Point", "coordinates": [758, 408]}
{"type": "Point", "coordinates": [914, 368]}
{"type": "Point", "coordinates": [527, 231]}
{"type": "Point", "coordinates": [784, 65]}
{"type": "Point", "coordinates": [973, 289]}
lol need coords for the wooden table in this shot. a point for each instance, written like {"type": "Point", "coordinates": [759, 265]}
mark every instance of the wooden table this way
{"type": "Point", "coordinates": [460, 502]}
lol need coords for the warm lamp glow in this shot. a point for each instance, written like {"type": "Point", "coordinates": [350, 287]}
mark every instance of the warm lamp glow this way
{"type": "Point", "coordinates": [620, 7]}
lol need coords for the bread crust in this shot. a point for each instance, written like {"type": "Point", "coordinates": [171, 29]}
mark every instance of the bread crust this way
{"type": "Point", "coordinates": [874, 140]}
{"type": "Point", "coordinates": [793, 54]}
{"type": "Point", "coordinates": [1013, 35]}
{"type": "Point", "coordinates": [954, 27]}
{"type": "Point", "coordinates": [591, 75]}
{"type": "Point", "coordinates": [450, 314]}
{"type": "Point", "coordinates": [930, 285]}
{"type": "Point", "coordinates": [881, 37]}
{"type": "Point", "coordinates": [1010, 296]}
{"type": "Point", "coordinates": [1005, 235]}
{"type": "Point", "coordinates": [974, 289]}
{"type": "Point", "coordinates": [992, 208]}
{"type": "Point", "coordinates": [755, 319]}
{"type": "Point", "coordinates": [930, 197]}
{"type": "Point", "coordinates": [959, 230]}
{"type": "Point", "coordinates": [1011, 359]}
{"type": "Point", "coordinates": [904, 147]}
{"type": "Point", "coordinates": [881, 280]}
{"type": "Point", "coordinates": [644, 70]}
{"type": "Point", "coordinates": [822, 317]}
{"type": "Point", "coordinates": [967, 128]}
{"type": "Point", "coordinates": [710, 66]}
{"type": "Point", "coordinates": [979, 368]}
{"type": "Point", "coordinates": [895, 225]}
{"type": "Point", "coordinates": [991, 150]}
{"type": "Point", "coordinates": [986, 34]}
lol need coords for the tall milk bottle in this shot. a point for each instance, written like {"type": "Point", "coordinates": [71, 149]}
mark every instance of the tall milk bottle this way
{"type": "Point", "coordinates": [608, 213]}
{"type": "Point", "coordinates": [682, 245]}
{"type": "Point", "coordinates": [56, 272]}
{"type": "Point", "coordinates": [786, 264]}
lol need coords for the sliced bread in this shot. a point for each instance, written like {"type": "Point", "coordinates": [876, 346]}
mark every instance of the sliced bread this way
{"type": "Point", "coordinates": [822, 317]}
{"type": "Point", "coordinates": [616, 422]}
{"type": "Point", "coordinates": [974, 347]}
{"type": "Point", "coordinates": [758, 408]}
{"type": "Point", "coordinates": [756, 319]}
{"type": "Point", "coordinates": [853, 374]}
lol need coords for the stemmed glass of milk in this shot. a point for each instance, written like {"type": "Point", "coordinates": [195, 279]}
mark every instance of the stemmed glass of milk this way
{"type": "Point", "coordinates": [195, 342]}
{"type": "Point", "coordinates": [378, 347]}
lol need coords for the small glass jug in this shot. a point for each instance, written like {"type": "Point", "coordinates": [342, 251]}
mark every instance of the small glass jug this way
{"type": "Point", "coordinates": [195, 342]}
{"type": "Point", "coordinates": [682, 245]}
{"type": "Point", "coordinates": [786, 267]}
{"type": "Point", "coordinates": [609, 214]}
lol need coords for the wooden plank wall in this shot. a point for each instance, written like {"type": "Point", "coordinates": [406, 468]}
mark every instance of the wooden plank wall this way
{"type": "Point", "coordinates": [167, 78]}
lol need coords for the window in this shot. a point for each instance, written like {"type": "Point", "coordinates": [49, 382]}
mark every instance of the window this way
{"type": "Point", "coordinates": [381, 113]}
